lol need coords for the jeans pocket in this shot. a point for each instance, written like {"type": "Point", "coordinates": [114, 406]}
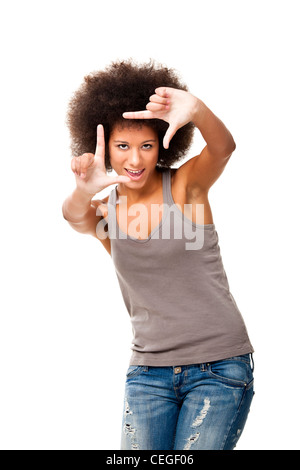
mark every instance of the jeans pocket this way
{"type": "Point", "coordinates": [133, 371]}
{"type": "Point", "coordinates": [233, 371]}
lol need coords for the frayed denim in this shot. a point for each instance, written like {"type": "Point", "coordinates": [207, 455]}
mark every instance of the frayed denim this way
{"type": "Point", "coordinates": [191, 407]}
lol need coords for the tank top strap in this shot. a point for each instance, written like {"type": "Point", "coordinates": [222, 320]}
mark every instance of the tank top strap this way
{"type": "Point", "coordinates": [112, 215]}
{"type": "Point", "coordinates": [167, 193]}
{"type": "Point", "coordinates": [112, 197]}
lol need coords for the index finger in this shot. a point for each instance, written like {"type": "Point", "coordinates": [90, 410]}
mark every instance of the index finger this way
{"type": "Point", "coordinates": [100, 147]}
{"type": "Point", "coordinates": [138, 115]}
{"type": "Point", "coordinates": [162, 91]}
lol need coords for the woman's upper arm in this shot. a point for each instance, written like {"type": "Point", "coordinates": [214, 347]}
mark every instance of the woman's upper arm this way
{"type": "Point", "coordinates": [203, 170]}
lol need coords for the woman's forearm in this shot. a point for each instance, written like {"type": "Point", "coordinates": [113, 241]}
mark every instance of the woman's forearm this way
{"type": "Point", "coordinates": [77, 206]}
{"type": "Point", "coordinates": [218, 138]}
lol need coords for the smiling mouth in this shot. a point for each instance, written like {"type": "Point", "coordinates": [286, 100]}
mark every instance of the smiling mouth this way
{"type": "Point", "coordinates": [135, 174]}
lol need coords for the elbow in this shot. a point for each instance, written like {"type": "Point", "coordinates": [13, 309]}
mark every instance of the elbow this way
{"type": "Point", "coordinates": [229, 148]}
{"type": "Point", "coordinates": [225, 151]}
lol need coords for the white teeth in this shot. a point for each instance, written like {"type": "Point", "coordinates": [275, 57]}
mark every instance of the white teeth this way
{"type": "Point", "coordinates": [134, 171]}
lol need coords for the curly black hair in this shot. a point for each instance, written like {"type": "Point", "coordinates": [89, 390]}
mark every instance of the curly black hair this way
{"type": "Point", "coordinates": [123, 86]}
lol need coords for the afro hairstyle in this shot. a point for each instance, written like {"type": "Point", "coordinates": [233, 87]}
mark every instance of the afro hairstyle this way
{"type": "Point", "coordinates": [123, 86]}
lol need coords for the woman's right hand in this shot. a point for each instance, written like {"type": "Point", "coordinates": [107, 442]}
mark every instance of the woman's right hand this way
{"type": "Point", "coordinates": [90, 171]}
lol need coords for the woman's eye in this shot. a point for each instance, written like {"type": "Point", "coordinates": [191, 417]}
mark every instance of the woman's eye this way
{"type": "Point", "coordinates": [125, 146]}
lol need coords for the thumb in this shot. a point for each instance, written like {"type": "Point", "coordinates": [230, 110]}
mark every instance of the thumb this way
{"type": "Point", "coordinates": [171, 131]}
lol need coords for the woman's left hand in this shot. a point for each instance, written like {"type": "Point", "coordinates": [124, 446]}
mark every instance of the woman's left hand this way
{"type": "Point", "coordinates": [176, 107]}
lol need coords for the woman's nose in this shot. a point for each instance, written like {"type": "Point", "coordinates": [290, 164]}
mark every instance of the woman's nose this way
{"type": "Point", "coordinates": [134, 158]}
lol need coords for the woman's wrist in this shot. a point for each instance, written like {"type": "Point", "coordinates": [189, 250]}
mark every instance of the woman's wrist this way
{"type": "Point", "coordinates": [213, 130]}
{"type": "Point", "coordinates": [198, 112]}
{"type": "Point", "coordinates": [82, 195]}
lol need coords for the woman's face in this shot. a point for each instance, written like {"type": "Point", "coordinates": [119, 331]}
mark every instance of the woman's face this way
{"type": "Point", "coordinates": [134, 152]}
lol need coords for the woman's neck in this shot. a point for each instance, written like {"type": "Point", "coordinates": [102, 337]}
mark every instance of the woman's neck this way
{"type": "Point", "coordinates": [150, 188]}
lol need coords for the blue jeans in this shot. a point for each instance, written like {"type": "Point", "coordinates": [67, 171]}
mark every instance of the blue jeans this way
{"type": "Point", "coordinates": [194, 407]}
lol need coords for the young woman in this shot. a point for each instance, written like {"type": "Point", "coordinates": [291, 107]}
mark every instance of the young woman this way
{"type": "Point", "coordinates": [189, 385]}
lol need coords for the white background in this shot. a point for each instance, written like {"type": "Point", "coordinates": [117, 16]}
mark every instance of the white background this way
{"type": "Point", "coordinates": [65, 334]}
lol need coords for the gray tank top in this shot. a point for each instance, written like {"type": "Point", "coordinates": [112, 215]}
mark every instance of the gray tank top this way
{"type": "Point", "coordinates": [176, 291]}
